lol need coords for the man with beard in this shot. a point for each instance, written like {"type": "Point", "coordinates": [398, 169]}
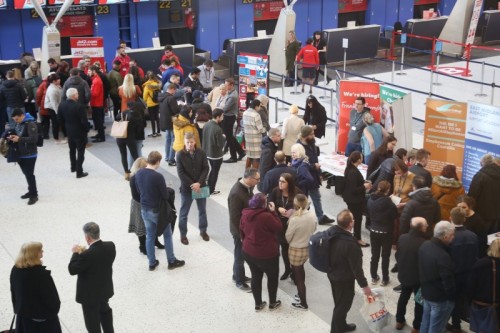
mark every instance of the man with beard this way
{"type": "Point", "coordinates": [124, 60]}
{"type": "Point", "coordinates": [308, 140]}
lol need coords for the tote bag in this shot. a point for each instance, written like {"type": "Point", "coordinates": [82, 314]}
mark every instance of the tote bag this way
{"type": "Point", "coordinates": [119, 129]}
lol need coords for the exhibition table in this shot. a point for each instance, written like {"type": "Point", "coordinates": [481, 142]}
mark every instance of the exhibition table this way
{"type": "Point", "coordinates": [336, 164]}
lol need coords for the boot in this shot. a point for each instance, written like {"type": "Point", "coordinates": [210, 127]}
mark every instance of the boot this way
{"type": "Point", "coordinates": [142, 244]}
{"type": "Point", "coordinates": [159, 245]}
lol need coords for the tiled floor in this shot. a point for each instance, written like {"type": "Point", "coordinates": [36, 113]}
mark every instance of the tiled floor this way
{"type": "Point", "coordinates": [197, 298]}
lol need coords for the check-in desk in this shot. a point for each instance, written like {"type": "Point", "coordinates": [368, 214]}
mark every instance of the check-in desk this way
{"type": "Point", "coordinates": [489, 26]}
{"type": "Point", "coordinates": [423, 27]}
{"type": "Point", "coordinates": [363, 42]}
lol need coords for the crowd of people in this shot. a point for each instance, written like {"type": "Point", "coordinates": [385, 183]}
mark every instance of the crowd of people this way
{"type": "Point", "coordinates": [439, 232]}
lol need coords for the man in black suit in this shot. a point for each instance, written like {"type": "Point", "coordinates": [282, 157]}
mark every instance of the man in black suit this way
{"type": "Point", "coordinates": [94, 286]}
{"type": "Point", "coordinates": [73, 116]}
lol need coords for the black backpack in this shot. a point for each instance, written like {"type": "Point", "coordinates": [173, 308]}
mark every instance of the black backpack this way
{"type": "Point", "coordinates": [156, 92]}
{"type": "Point", "coordinates": [319, 249]}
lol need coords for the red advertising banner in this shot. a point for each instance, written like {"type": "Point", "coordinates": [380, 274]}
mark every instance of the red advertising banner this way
{"type": "Point", "coordinates": [444, 134]}
{"type": "Point", "coordinates": [425, 2]}
{"type": "Point", "coordinates": [91, 46]}
{"type": "Point", "coordinates": [267, 10]}
{"type": "Point", "coordinates": [77, 21]}
{"type": "Point", "coordinates": [26, 4]}
{"type": "Point", "coordinates": [349, 91]}
{"type": "Point", "coordinates": [75, 2]}
{"type": "Point", "coordinates": [348, 6]}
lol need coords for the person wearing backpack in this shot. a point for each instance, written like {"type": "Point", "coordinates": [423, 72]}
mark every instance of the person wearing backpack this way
{"type": "Point", "coordinates": [26, 138]}
{"type": "Point", "coordinates": [151, 89]}
{"type": "Point", "coordinates": [346, 266]}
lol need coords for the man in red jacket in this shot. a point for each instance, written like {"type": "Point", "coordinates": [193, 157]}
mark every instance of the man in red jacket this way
{"type": "Point", "coordinates": [124, 60]}
{"type": "Point", "coordinates": [96, 103]}
{"type": "Point", "coordinates": [309, 57]}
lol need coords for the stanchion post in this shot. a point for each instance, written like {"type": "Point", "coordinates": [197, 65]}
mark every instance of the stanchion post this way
{"type": "Point", "coordinates": [403, 43]}
{"type": "Point", "coordinates": [493, 89]}
{"type": "Point", "coordinates": [275, 109]}
{"type": "Point", "coordinates": [437, 69]}
{"type": "Point", "coordinates": [294, 92]}
{"type": "Point", "coordinates": [432, 79]}
{"type": "Point", "coordinates": [331, 103]}
{"type": "Point", "coordinates": [481, 94]}
{"type": "Point", "coordinates": [325, 73]}
{"type": "Point", "coordinates": [282, 87]}
{"type": "Point", "coordinates": [433, 56]}
{"type": "Point", "coordinates": [345, 45]}
{"type": "Point", "coordinates": [467, 60]}
{"type": "Point", "coordinates": [392, 72]}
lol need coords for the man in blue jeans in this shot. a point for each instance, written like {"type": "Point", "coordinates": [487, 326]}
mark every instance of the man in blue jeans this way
{"type": "Point", "coordinates": [168, 109]}
{"type": "Point", "coordinates": [237, 200]}
{"type": "Point", "coordinates": [152, 190]}
{"type": "Point", "coordinates": [192, 168]}
{"type": "Point", "coordinates": [437, 278]}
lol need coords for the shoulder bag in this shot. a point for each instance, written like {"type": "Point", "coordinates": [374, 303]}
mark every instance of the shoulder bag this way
{"type": "Point", "coordinates": [483, 316]}
{"type": "Point", "coordinates": [119, 129]}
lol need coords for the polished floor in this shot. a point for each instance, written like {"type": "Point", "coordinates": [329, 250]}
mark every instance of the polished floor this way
{"type": "Point", "coordinates": [199, 297]}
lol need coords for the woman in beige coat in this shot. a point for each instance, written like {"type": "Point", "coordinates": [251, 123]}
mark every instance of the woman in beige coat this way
{"type": "Point", "coordinates": [291, 131]}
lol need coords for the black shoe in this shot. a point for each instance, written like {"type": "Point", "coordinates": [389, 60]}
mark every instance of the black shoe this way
{"type": "Point", "coordinates": [94, 136]}
{"type": "Point", "coordinates": [397, 289]}
{"type": "Point", "coordinates": [244, 287]}
{"type": "Point", "coordinates": [26, 196]}
{"type": "Point", "coordinates": [159, 245]}
{"type": "Point", "coordinates": [260, 307]}
{"type": "Point", "coordinates": [98, 140]}
{"type": "Point", "coordinates": [158, 134]}
{"type": "Point", "coordinates": [73, 170]}
{"type": "Point", "coordinates": [172, 163]}
{"type": "Point", "coordinates": [142, 249]}
{"type": "Point", "coordinates": [299, 306]}
{"type": "Point", "coordinates": [32, 200]}
{"type": "Point", "coordinates": [350, 328]}
{"type": "Point", "coordinates": [153, 267]}
{"type": "Point", "coordinates": [151, 135]}
{"type": "Point", "coordinates": [176, 264]}
{"type": "Point", "coordinates": [247, 279]}
{"type": "Point", "coordinates": [230, 160]}
{"type": "Point", "coordinates": [215, 192]}
{"type": "Point", "coordinates": [241, 156]}
{"type": "Point", "coordinates": [274, 306]}
{"type": "Point", "coordinates": [394, 269]}
{"type": "Point", "coordinates": [285, 275]}
{"type": "Point", "coordinates": [325, 220]}
{"type": "Point", "coordinates": [83, 174]}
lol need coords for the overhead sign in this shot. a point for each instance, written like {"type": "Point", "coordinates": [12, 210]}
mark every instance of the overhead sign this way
{"type": "Point", "coordinates": [348, 6]}
{"type": "Point", "coordinates": [444, 134]}
{"type": "Point", "coordinates": [482, 137]}
{"type": "Point", "coordinates": [267, 10]}
{"type": "Point", "coordinates": [253, 75]}
{"type": "Point", "coordinates": [76, 21]}
{"type": "Point", "coordinates": [26, 4]}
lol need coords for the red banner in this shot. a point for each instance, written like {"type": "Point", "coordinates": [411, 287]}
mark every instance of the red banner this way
{"type": "Point", "coordinates": [267, 10]}
{"type": "Point", "coordinates": [425, 2]}
{"type": "Point", "coordinates": [349, 91]}
{"type": "Point", "coordinates": [77, 21]}
{"type": "Point", "coordinates": [25, 4]}
{"type": "Point", "coordinates": [91, 46]}
{"type": "Point", "coordinates": [348, 6]}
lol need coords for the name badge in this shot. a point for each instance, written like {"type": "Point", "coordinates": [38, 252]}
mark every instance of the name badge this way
{"type": "Point", "coordinates": [353, 128]}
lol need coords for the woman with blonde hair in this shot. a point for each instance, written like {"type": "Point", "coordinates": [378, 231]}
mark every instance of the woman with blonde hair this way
{"type": "Point", "coordinates": [136, 223]}
{"type": "Point", "coordinates": [291, 131]}
{"type": "Point", "coordinates": [301, 226]}
{"type": "Point", "coordinates": [300, 162]}
{"type": "Point", "coordinates": [34, 294]}
{"type": "Point", "coordinates": [128, 91]}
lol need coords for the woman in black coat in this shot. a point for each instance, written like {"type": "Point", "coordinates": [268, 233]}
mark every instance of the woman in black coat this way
{"type": "Point", "coordinates": [315, 115]}
{"type": "Point", "coordinates": [354, 193]}
{"type": "Point", "coordinates": [382, 212]}
{"type": "Point", "coordinates": [34, 294]}
{"type": "Point", "coordinates": [135, 133]}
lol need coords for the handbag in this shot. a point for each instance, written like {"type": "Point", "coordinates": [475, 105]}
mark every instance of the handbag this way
{"type": "Point", "coordinates": [119, 129]}
{"type": "Point", "coordinates": [483, 316]}
{"type": "Point", "coordinates": [203, 194]}
{"type": "Point", "coordinates": [11, 329]}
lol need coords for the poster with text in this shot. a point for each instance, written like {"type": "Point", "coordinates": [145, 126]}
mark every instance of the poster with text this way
{"type": "Point", "coordinates": [26, 4]}
{"type": "Point", "coordinates": [267, 10]}
{"type": "Point", "coordinates": [348, 92]}
{"type": "Point", "coordinates": [481, 137]}
{"type": "Point", "coordinates": [77, 21]}
{"type": "Point", "coordinates": [444, 134]}
{"type": "Point", "coordinates": [253, 76]}
{"type": "Point", "coordinates": [91, 46]}
{"type": "Point", "coordinates": [396, 114]}
{"type": "Point", "coordinates": [348, 6]}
